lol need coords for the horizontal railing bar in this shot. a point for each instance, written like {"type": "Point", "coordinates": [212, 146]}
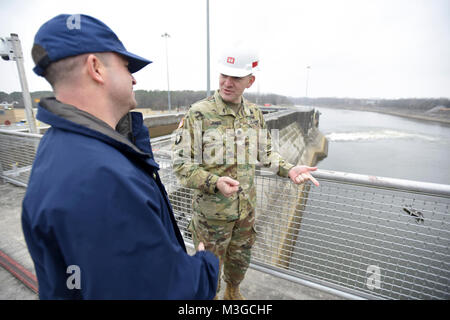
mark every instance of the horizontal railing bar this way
{"type": "Point", "coordinates": [379, 182]}
{"type": "Point", "coordinates": [15, 181]}
{"type": "Point", "coordinates": [330, 275]}
{"type": "Point", "coordinates": [384, 182]}
{"type": "Point", "coordinates": [265, 269]}
{"type": "Point", "coordinates": [315, 285]}
{"type": "Point", "coordinates": [20, 134]}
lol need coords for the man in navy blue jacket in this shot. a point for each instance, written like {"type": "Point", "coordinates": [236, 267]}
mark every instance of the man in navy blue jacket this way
{"type": "Point", "coordinates": [96, 217]}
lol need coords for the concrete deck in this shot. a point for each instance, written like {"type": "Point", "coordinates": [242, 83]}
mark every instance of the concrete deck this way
{"type": "Point", "coordinates": [256, 286]}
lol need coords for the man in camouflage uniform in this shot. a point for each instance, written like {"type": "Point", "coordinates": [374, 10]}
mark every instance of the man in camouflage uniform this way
{"type": "Point", "coordinates": [216, 147]}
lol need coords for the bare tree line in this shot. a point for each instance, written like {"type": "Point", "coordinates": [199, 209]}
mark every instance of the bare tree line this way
{"type": "Point", "coordinates": [157, 100]}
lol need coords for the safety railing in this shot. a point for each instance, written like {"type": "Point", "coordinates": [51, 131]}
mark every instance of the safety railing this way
{"type": "Point", "coordinates": [355, 236]}
{"type": "Point", "coordinates": [17, 152]}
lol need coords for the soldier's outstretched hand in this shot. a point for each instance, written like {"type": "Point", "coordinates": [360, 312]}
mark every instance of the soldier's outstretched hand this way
{"type": "Point", "coordinates": [227, 186]}
{"type": "Point", "coordinates": [301, 174]}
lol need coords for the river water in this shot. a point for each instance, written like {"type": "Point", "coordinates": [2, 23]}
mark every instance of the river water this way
{"type": "Point", "coordinates": [383, 145]}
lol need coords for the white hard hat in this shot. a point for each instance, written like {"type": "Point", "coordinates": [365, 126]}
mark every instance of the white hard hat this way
{"type": "Point", "coordinates": [237, 62]}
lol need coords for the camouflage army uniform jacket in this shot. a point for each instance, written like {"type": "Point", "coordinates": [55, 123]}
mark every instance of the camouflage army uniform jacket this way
{"type": "Point", "coordinates": [213, 141]}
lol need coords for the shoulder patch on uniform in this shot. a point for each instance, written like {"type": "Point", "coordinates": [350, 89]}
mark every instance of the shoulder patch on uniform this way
{"type": "Point", "coordinates": [198, 115]}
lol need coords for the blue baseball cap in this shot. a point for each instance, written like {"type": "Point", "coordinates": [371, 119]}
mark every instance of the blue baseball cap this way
{"type": "Point", "coordinates": [70, 35]}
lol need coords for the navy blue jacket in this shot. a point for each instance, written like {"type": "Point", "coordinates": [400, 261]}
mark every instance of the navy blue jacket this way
{"type": "Point", "coordinates": [95, 201]}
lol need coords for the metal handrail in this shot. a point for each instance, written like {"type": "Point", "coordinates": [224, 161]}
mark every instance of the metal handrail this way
{"type": "Point", "coordinates": [350, 222]}
{"type": "Point", "coordinates": [20, 134]}
{"type": "Point", "coordinates": [384, 182]}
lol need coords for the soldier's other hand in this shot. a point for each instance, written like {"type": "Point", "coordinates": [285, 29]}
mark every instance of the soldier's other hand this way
{"type": "Point", "coordinates": [301, 174]}
{"type": "Point", "coordinates": [201, 247]}
{"type": "Point", "coordinates": [227, 186]}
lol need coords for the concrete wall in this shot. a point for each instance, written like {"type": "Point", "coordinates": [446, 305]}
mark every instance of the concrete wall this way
{"type": "Point", "coordinates": [300, 142]}
{"type": "Point", "coordinates": [163, 119]}
{"type": "Point", "coordinates": [164, 124]}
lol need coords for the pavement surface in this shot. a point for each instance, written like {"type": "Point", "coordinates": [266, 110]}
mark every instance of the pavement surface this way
{"type": "Point", "coordinates": [256, 286]}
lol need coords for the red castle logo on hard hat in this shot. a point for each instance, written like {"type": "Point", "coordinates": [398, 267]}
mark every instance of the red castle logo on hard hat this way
{"type": "Point", "coordinates": [230, 60]}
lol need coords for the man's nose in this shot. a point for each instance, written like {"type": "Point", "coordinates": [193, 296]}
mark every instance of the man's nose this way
{"type": "Point", "coordinates": [133, 80]}
{"type": "Point", "coordinates": [228, 81]}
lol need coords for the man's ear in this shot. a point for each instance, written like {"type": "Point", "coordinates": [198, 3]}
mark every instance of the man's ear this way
{"type": "Point", "coordinates": [251, 81]}
{"type": "Point", "coordinates": [95, 68]}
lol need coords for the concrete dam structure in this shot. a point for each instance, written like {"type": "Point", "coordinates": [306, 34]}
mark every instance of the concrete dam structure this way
{"type": "Point", "coordinates": [300, 142]}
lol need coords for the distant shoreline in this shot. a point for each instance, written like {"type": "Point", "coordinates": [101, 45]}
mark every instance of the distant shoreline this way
{"type": "Point", "coordinates": [400, 113]}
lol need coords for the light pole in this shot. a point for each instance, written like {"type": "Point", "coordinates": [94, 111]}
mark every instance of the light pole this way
{"type": "Point", "coordinates": [307, 77]}
{"type": "Point", "coordinates": [11, 49]}
{"type": "Point", "coordinates": [208, 91]}
{"type": "Point", "coordinates": [166, 35]}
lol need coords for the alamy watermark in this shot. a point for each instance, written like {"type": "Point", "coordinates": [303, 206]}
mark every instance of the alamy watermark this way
{"type": "Point", "coordinates": [74, 22]}
{"type": "Point", "coordinates": [74, 280]}
{"type": "Point", "coordinates": [373, 277]}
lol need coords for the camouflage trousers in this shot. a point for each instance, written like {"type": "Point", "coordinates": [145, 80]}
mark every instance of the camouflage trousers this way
{"type": "Point", "coordinates": [230, 241]}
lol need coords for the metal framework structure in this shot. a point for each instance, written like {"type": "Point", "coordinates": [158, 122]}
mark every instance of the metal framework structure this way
{"type": "Point", "coordinates": [360, 237]}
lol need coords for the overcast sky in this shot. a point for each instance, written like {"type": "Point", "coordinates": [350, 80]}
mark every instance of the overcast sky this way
{"type": "Point", "coordinates": [356, 48]}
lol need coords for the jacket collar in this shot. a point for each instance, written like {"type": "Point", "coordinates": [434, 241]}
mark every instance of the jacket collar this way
{"type": "Point", "coordinates": [70, 118]}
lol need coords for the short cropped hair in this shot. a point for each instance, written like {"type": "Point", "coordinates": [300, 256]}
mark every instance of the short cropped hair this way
{"type": "Point", "coordinates": [59, 71]}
